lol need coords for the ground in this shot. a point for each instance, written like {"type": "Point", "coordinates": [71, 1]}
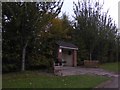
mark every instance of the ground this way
{"type": "Point", "coordinates": [111, 66]}
{"type": "Point", "coordinates": [113, 83]}
{"type": "Point", "coordinates": [109, 70]}
{"type": "Point", "coordinates": [72, 77]}
{"type": "Point", "coordinates": [40, 80]}
{"type": "Point", "coordinates": [65, 71]}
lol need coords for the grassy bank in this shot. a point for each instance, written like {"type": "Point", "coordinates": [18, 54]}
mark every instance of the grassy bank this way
{"type": "Point", "coordinates": [111, 66]}
{"type": "Point", "coordinates": [38, 80]}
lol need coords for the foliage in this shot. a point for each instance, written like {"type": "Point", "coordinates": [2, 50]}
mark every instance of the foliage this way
{"type": "Point", "coordinates": [30, 31]}
{"type": "Point", "coordinates": [95, 33]}
{"type": "Point", "coordinates": [60, 29]}
{"type": "Point", "coordinates": [22, 22]}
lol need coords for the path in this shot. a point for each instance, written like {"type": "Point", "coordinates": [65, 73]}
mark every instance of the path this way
{"type": "Point", "coordinates": [64, 71]}
{"type": "Point", "coordinates": [78, 71]}
{"type": "Point", "coordinates": [110, 84]}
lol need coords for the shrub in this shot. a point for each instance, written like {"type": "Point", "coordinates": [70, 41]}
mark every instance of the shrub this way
{"type": "Point", "coordinates": [39, 62]}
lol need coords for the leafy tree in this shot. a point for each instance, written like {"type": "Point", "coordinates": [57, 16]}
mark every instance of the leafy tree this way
{"type": "Point", "coordinates": [23, 21]}
{"type": "Point", "coordinates": [59, 29]}
{"type": "Point", "coordinates": [95, 30]}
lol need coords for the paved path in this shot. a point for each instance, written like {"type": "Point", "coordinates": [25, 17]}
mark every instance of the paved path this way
{"type": "Point", "coordinates": [64, 71]}
{"type": "Point", "coordinates": [78, 71]}
{"type": "Point", "coordinates": [110, 84]}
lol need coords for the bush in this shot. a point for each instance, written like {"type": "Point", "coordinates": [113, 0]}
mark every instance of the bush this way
{"type": "Point", "coordinates": [9, 68]}
{"type": "Point", "coordinates": [80, 62]}
{"type": "Point", "coordinates": [39, 62]}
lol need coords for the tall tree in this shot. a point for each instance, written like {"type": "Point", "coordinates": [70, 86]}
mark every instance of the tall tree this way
{"type": "Point", "coordinates": [24, 21]}
{"type": "Point", "coordinates": [59, 29]}
{"type": "Point", "coordinates": [94, 28]}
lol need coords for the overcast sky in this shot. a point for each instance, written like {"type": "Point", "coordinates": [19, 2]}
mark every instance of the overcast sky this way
{"type": "Point", "coordinates": [112, 5]}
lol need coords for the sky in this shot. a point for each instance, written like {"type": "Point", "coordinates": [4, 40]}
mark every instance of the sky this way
{"type": "Point", "coordinates": [112, 5]}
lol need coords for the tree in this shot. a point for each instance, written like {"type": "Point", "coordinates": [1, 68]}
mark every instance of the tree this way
{"type": "Point", "coordinates": [23, 21]}
{"type": "Point", "coordinates": [94, 29]}
{"type": "Point", "coordinates": [59, 29]}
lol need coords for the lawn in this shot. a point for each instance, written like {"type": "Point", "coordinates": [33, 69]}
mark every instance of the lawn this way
{"type": "Point", "coordinates": [37, 80]}
{"type": "Point", "coordinates": [111, 66]}
{"type": "Point", "coordinates": [0, 80]}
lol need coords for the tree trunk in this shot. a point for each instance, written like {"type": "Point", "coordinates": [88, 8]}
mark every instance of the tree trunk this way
{"type": "Point", "coordinates": [117, 52]}
{"type": "Point", "coordinates": [90, 56]}
{"type": "Point", "coordinates": [23, 56]}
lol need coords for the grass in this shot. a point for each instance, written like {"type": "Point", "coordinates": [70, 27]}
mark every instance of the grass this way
{"type": "Point", "coordinates": [0, 81]}
{"type": "Point", "coordinates": [38, 80]}
{"type": "Point", "coordinates": [111, 66]}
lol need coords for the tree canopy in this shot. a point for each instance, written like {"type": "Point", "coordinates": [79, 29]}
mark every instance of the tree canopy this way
{"type": "Point", "coordinates": [31, 29]}
{"type": "Point", "coordinates": [22, 22]}
{"type": "Point", "coordinates": [95, 31]}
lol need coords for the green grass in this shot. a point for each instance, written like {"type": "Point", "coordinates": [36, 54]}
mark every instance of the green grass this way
{"type": "Point", "coordinates": [37, 80]}
{"type": "Point", "coordinates": [111, 66]}
{"type": "Point", "coordinates": [0, 81]}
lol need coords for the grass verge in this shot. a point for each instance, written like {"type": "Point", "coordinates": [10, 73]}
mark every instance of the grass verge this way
{"type": "Point", "coordinates": [114, 67]}
{"type": "Point", "coordinates": [37, 80]}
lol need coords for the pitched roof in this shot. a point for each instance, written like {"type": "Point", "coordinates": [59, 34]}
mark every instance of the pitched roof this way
{"type": "Point", "coordinates": [67, 45]}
